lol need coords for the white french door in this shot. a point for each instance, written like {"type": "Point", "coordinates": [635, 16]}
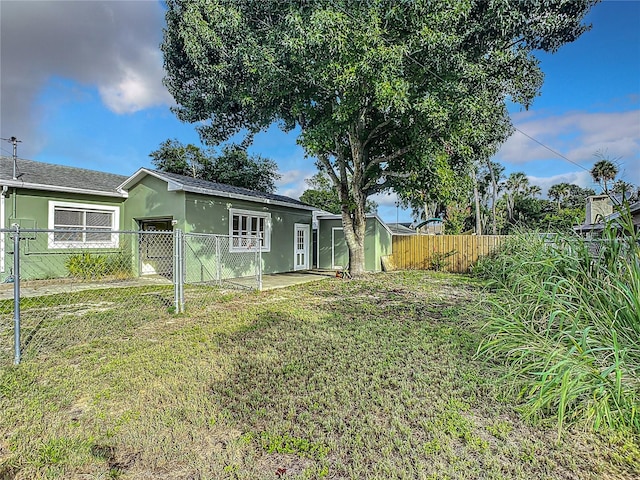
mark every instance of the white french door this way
{"type": "Point", "coordinates": [301, 247]}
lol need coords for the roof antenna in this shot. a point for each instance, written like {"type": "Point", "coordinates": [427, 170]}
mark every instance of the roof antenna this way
{"type": "Point", "coordinates": [15, 142]}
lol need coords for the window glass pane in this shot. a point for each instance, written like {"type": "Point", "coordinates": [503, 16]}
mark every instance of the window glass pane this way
{"type": "Point", "coordinates": [67, 236]}
{"type": "Point", "coordinates": [246, 229]}
{"type": "Point", "coordinates": [98, 236]}
{"type": "Point", "coordinates": [67, 217]}
{"type": "Point", "coordinates": [99, 219]}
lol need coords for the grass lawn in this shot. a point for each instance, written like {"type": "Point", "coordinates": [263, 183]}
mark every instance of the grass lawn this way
{"type": "Point", "coordinates": [366, 379]}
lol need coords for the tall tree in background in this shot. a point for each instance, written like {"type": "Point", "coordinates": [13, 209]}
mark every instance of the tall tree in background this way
{"type": "Point", "coordinates": [517, 184]}
{"type": "Point", "coordinates": [603, 171]}
{"type": "Point", "coordinates": [628, 191]}
{"type": "Point", "coordinates": [174, 157]}
{"type": "Point", "coordinates": [375, 87]}
{"type": "Point", "coordinates": [232, 167]}
{"type": "Point", "coordinates": [322, 194]}
{"type": "Point", "coordinates": [558, 192]}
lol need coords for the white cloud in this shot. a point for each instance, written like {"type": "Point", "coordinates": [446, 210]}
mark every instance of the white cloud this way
{"type": "Point", "coordinates": [385, 199]}
{"type": "Point", "coordinates": [292, 182]}
{"type": "Point", "coordinates": [575, 135]}
{"type": "Point", "coordinates": [137, 89]}
{"type": "Point", "coordinates": [581, 178]}
{"type": "Point", "coordinates": [113, 46]}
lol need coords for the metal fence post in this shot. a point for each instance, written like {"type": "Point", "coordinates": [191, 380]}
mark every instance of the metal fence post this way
{"type": "Point", "coordinates": [178, 297]}
{"type": "Point", "coordinates": [259, 266]}
{"type": "Point", "coordinates": [183, 267]}
{"type": "Point", "coordinates": [16, 295]}
{"type": "Point", "coordinates": [218, 261]}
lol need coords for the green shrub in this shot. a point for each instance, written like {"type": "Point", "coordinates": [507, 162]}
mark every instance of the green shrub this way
{"type": "Point", "coordinates": [565, 320]}
{"type": "Point", "coordinates": [88, 266]}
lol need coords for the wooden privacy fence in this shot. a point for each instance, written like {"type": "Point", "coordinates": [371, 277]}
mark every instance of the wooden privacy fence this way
{"type": "Point", "coordinates": [451, 253]}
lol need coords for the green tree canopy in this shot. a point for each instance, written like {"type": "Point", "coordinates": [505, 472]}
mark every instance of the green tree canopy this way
{"type": "Point", "coordinates": [323, 194]}
{"type": "Point", "coordinates": [603, 171]}
{"type": "Point", "coordinates": [375, 87]}
{"type": "Point", "coordinates": [232, 167]}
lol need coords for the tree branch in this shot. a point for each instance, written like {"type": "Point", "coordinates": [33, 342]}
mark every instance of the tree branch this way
{"type": "Point", "coordinates": [324, 160]}
{"type": "Point", "coordinates": [374, 132]}
{"type": "Point", "coordinates": [388, 158]}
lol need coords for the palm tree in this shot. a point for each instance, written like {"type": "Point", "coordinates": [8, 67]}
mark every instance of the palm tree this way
{"type": "Point", "coordinates": [559, 192]}
{"type": "Point", "coordinates": [534, 191]}
{"type": "Point", "coordinates": [604, 171]}
{"type": "Point", "coordinates": [516, 183]}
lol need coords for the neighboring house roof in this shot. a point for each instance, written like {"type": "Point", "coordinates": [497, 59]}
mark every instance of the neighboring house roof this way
{"type": "Point", "coordinates": [60, 178]}
{"type": "Point", "coordinates": [598, 222]}
{"type": "Point", "coordinates": [177, 182]}
{"type": "Point", "coordinates": [400, 229]}
{"type": "Point", "coordinates": [634, 210]}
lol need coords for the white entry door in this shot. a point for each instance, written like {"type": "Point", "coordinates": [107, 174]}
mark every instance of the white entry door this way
{"type": "Point", "coordinates": [301, 247]}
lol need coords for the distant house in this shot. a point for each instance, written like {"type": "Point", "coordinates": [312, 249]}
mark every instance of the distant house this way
{"type": "Point", "coordinates": [634, 210]}
{"type": "Point", "coordinates": [401, 229]}
{"type": "Point", "coordinates": [599, 211]}
{"type": "Point", "coordinates": [431, 226]}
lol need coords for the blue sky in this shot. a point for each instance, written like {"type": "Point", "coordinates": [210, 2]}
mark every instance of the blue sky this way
{"type": "Point", "coordinates": [80, 85]}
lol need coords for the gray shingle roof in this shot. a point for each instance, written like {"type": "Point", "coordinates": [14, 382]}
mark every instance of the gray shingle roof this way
{"type": "Point", "coordinates": [214, 188]}
{"type": "Point", "coordinates": [46, 174]}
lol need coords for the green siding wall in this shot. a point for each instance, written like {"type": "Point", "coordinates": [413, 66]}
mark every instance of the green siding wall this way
{"type": "Point", "coordinates": [149, 199]}
{"type": "Point", "coordinates": [200, 213]}
{"type": "Point", "coordinates": [206, 214]}
{"type": "Point", "coordinates": [377, 243]}
{"type": "Point", "coordinates": [30, 209]}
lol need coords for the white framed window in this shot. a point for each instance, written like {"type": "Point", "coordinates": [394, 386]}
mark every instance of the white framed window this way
{"type": "Point", "coordinates": [80, 225]}
{"type": "Point", "coordinates": [248, 229]}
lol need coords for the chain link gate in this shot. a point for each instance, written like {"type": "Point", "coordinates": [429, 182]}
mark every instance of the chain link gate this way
{"type": "Point", "coordinates": [49, 278]}
{"type": "Point", "coordinates": [220, 261]}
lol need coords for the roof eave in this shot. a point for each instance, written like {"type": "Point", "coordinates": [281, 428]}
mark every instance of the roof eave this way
{"type": "Point", "coordinates": [56, 188]}
{"type": "Point", "coordinates": [239, 196]}
{"type": "Point", "coordinates": [175, 186]}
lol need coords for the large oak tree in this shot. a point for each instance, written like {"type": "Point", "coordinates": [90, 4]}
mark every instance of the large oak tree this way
{"type": "Point", "coordinates": [375, 87]}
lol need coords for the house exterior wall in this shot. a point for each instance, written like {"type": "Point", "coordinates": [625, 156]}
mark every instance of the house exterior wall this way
{"type": "Point", "coordinates": [199, 213]}
{"type": "Point", "coordinates": [376, 244]}
{"type": "Point", "coordinates": [30, 210]}
{"type": "Point", "coordinates": [207, 214]}
{"type": "Point", "coordinates": [149, 199]}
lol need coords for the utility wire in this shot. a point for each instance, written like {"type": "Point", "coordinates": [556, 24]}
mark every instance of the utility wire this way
{"type": "Point", "coordinates": [550, 149]}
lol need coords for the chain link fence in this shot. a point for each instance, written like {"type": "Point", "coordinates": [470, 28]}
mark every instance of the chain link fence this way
{"type": "Point", "coordinates": [51, 278]}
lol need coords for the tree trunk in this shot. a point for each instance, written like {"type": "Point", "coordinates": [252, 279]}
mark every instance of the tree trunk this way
{"type": "Point", "coordinates": [352, 198]}
{"type": "Point", "coordinates": [355, 221]}
{"type": "Point", "coordinates": [476, 196]}
{"type": "Point", "coordinates": [354, 231]}
{"type": "Point", "coordinates": [494, 194]}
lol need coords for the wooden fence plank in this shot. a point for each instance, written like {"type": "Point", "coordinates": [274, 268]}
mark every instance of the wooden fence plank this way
{"type": "Point", "coordinates": [422, 251]}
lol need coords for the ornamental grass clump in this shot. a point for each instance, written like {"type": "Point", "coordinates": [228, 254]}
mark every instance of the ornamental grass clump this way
{"type": "Point", "coordinates": [565, 320]}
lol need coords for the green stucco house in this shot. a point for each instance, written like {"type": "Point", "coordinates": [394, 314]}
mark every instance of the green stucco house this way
{"type": "Point", "coordinates": [91, 206]}
{"type": "Point", "coordinates": [86, 211]}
